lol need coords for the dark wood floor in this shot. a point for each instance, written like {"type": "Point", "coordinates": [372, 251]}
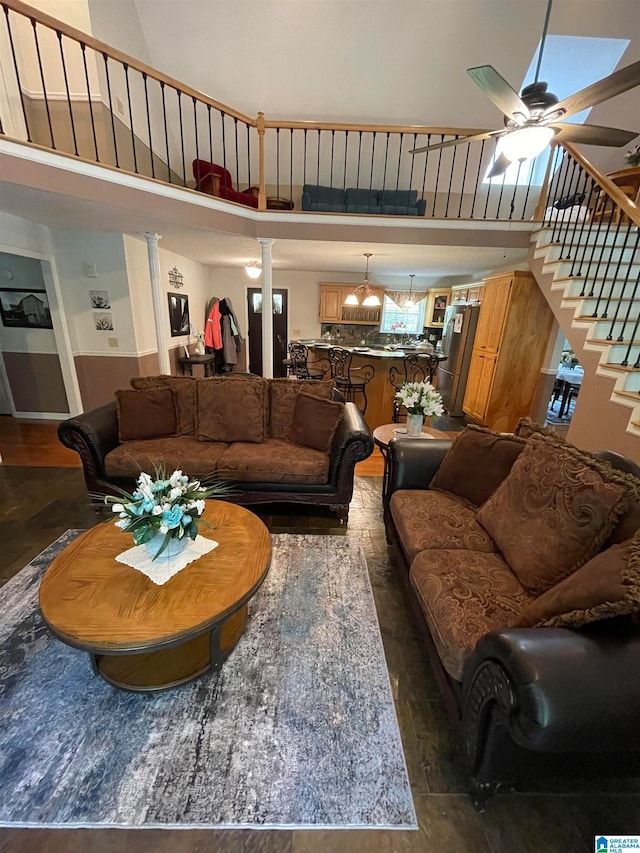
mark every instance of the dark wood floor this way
{"type": "Point", "coordinates": [38, 503]}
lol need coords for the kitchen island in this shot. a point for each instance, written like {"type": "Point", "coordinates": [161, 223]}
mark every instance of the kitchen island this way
{"type": "Point", "coordinates": [380, 391]}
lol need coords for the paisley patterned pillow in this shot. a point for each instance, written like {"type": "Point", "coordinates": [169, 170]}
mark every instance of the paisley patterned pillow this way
{"type": "Point", "coordinates": [555, 511]}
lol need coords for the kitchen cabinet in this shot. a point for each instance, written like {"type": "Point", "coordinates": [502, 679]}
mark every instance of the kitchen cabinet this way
{"type": "Point", "coordinates": [472, 292]}
{"type": "Point", "coordinates": [437, 302]}
{"type": "Point", "coordinates": [333, 309]}
{"type": "Point", "coordinates": [511, 339]}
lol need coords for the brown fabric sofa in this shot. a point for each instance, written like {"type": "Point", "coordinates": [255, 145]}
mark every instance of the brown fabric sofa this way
{"type": "Point", "coordinates": [274, 440]}
{"type": "Point", "coordinates": [522, 557]}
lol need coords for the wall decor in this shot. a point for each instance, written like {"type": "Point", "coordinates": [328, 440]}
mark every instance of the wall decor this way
{"type": "Point", "coordinates": [103, 321]}
{"type": "Point", "coordinates": [176, 279]}
{"type": "Point", "coordinates": [27, 309]}
{"type": "Point", "coordinates": [100, 299]}
{"type": "Point", "coordinates": [178, 314]}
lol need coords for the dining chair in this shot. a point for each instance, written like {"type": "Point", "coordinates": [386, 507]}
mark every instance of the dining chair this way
{"type": "Point", "coordinates": [350, 381]}
{"type": "Point", "coordinates": [414, 368]}
{"type": "Point", "coordinates": [299, 363]}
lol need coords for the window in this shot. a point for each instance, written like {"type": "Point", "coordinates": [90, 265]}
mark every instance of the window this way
{"type": "Point", "coordinates": [402, 321]}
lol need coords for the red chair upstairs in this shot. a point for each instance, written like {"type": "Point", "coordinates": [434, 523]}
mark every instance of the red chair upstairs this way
{"type": "Point", "coordinates": [215, 180]}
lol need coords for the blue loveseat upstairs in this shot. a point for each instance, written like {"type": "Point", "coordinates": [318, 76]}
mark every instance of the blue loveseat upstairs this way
{"type": "Point", "coordinates": [352, 200]}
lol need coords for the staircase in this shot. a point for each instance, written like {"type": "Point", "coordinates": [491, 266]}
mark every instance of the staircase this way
{"type": "Point", "coordinates": [591, 278]}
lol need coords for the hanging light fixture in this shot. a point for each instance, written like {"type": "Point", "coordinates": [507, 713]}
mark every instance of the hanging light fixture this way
{"type": "Point", "coordinates": [408, 302]}
{"type": "Point", "coordinates": [364, 290]}
{"type": "Point", "coordinates": [253, 270]}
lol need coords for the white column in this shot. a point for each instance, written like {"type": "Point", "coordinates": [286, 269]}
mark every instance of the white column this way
{"type": "Point", "coordinates": [159, 303]}
{"type": "Point", "coordinates": [267, 309]}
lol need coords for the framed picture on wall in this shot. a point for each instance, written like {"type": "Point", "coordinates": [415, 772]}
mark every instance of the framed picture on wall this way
{"type": "Point", "coordinates": [178, 314]}
{"type": "Point", "coordinates": [100, 299]}
{"type": "Point", "coordinates": [27, 309]}
{"type": "Point", "coordinates": [103, 321]}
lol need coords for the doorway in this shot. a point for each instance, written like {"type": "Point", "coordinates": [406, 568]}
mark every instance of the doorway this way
{"type": "Point", "coordinates": [280, 314]}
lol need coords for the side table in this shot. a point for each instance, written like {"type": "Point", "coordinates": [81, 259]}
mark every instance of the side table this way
{"type": "Point", "coordinates": [186, 364]}
{"type": "Point", "coordinates": [382, 435]}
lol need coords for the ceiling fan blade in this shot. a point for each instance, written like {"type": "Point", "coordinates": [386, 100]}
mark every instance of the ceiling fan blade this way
{"type": "Point", "coordinates": [592, 134]}
{"type": "Point", "coordinates": [499, 167]}
{"type": "Point", "coordinates": [496, 87]}
{"type": "Point", "coordinates": [450, 142]}
{"type": "Point", "coordinates": [616, 83]}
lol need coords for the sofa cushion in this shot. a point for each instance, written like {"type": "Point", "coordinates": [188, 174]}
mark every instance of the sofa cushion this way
{"type": "Point", "coordinates": [185, 388]}
{"type": "Point", "coordinates": [283, 394]}
{"type": "Point", "coordinates": [196, 458]}
{"type": "Point", "coordinates": [426, 519]}
{"type": "Point", "coordinates": [315, 422]}
{"type": "Point", "coordinates": [361, 201]}
{"type": "Point", "coordinates": [146, 414]}
{"type": "Point", "coordinates": [401, 198]}
{"type": "Point", "coordinates": [325, 199]}
{"type": "Point", "coordinates": [555, 510]}
{"type": "Point", "coordinates": [273, 461]}
{"type": "Point", "coordinates": [231, 408]}
{"type": "Point", "coordinates": [464, 595]}
{"type": "Point", "coordinates": [608, 585]}
{"type": "Point", "coordinates": [476, 464]}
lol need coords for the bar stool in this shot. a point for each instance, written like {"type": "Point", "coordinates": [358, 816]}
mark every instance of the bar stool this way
{"type": "Point", "coordinates": [298, 363]}
{"type": "Point", "coordinates": [414, 368]}
{"type": "Point", "coordinates": [350, 381]}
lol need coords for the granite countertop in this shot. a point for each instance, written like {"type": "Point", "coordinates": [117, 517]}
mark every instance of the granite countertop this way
{"type": "Point", "coordinates": [372, 352]}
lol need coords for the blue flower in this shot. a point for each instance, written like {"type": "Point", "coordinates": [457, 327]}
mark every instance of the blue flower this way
{"type": "Point", "coordinates": [172, 517]}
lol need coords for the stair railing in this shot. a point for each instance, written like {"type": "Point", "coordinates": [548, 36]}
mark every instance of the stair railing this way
{"type": "Point", "coordinates": [74, 94]}
{"type": "Point", "coordinates": [597, 228]}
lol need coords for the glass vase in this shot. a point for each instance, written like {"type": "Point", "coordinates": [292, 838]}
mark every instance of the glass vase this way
{"type": "Point", "coordinates": [175, 546]}
{"type": "Point", "coordinates": [414, 424]}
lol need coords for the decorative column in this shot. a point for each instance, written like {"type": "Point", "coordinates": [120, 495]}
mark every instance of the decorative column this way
{"type": "Point", "coordinates": [159, 305]}
{"type": "Point", "coordinates": [267, 309]}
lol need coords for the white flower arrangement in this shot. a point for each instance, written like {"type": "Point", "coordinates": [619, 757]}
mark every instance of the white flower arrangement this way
{"type": "Point", "coordinates": [195, 333]}
{"type": "Point", "coordinates": [420, 398]}
{"type": "Point", "coordinates": [167, 505]}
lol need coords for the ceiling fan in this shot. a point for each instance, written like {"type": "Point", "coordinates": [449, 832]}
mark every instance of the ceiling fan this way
{"type": "Point", "coordinates": [535, 116]}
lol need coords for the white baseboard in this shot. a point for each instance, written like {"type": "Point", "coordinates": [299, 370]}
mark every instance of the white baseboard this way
{"type": "Point", "coordinates": [43, 416]}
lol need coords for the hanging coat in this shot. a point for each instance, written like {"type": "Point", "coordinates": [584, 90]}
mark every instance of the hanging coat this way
{"type": "Point", "coordinates": [213, 331]}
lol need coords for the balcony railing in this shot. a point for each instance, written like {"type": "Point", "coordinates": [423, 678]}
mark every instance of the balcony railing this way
{"type": "Point", "coordinates": [71, 93]}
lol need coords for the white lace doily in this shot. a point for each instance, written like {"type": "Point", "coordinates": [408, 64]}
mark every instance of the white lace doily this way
{"type": "Point", "coordinates": [164, 569]}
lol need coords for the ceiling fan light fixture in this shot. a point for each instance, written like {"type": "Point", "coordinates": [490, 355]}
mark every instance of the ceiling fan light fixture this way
{"type": "Point", "coordinates": [253, 270]}
{"type": "Point", "coordinates": [525, 143]}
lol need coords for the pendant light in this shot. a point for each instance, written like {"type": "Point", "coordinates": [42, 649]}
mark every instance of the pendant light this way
{"type": "Point", "coordinates": [253, 270]}
{"type": "Point", "coordinates": [364, 290]}
{"type": "Point", "coordinates": [408, 302]}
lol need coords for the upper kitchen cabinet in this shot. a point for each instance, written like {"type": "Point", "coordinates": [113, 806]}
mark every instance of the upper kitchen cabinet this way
{"type": "Point", "coordinates": [333, 309]}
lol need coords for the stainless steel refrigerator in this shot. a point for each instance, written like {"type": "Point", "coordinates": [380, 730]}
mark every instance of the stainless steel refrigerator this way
{"type": "Point", "coordinates": [460, 324]}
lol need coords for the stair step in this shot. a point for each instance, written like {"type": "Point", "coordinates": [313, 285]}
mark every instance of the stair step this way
{"type": "Point", "coordinates": [597, 271]}
{"type": "Point", "coordinates": [612, 290]}
{"type": "Point", "coordinates": [597, 236]}
{"type": "Point", "coordinates": [635, 424]}
{"type": "Point", "coordinates": [632, 395]}
{"type": "Point", "coordinates": [603, 329]}
{"type": "Point", "coordinates": [627, 369]}
{"type": "Point", "coordinates": [587, 253]}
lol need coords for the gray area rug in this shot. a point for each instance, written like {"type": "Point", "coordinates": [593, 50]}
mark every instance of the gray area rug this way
{"type": "Point", "coordinates": [297, 730]}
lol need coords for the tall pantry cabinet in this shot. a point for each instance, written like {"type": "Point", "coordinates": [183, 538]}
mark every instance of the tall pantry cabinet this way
{"type": "Point", "coordinates": [511, 339]}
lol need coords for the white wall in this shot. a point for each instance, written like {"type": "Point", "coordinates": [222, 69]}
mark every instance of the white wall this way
{"type": "Point", "coordinates": [75, 249]}
{"type": "Point", "coordinates": [197, 286]}
{"type": "Point", "coordinates": [27, 274]}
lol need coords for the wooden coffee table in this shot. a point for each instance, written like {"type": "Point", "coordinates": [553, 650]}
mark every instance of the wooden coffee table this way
{"type": "Point", "coordinates": [382, 435]}
{"type": "Point", "coordinates": [141, 636]}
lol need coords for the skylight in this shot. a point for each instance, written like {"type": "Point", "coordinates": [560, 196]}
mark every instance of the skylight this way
{"type": "Point", "coordinates": [569, 64]}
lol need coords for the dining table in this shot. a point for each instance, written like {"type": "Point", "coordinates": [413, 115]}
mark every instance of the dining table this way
{"type": "Point", "coordinates": [570, 377]}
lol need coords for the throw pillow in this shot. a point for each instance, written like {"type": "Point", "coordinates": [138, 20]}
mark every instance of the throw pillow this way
{"type": "Point", "coordinates": [146, 414]}
{"type": "Point", "coordinates": [315, 421]}
{"type": "Point", "coordinates": [231, 408]}
{"type": "Point", "coordinates": [555, 510]}
{"type": "Point", "coordinates": [185, 388]}
{"type": "Point", "coordinates": [608, 585]}
{"type": "Point", "coordinates": [476, 464]}
{"type": "Point", "coordinates": [283, 394]}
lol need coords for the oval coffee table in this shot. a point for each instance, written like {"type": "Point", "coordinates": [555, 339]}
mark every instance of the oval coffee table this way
{"type": "Point", "coordinates": [142, 636]}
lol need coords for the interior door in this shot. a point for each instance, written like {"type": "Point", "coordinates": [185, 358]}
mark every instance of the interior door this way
{"type": "Point", "coordinates": [280, 314]}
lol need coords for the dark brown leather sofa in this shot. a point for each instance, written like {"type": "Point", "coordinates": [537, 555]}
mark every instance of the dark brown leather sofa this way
{"type": "Point", "coordinates": [270, 470]}
{"type": "Point", "coordinates": [525, 700]}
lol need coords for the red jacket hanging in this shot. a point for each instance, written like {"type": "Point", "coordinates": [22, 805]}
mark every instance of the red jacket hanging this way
{"type": "Point", "coordinates": [212, 329]}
